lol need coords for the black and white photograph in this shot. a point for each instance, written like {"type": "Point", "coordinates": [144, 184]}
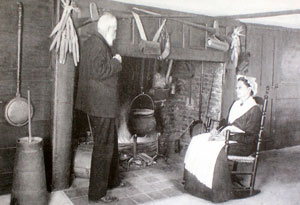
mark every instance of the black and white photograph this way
{"type": "Point", "coordinates": [153, 102]}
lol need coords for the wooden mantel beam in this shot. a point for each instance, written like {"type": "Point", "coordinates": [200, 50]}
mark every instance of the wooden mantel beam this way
{"type": "Point", "coordinates": [212, 55]}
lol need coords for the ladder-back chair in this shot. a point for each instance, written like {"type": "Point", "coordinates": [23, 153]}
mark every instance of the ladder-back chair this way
{"type": "Point", "coordinates": [252, 159]}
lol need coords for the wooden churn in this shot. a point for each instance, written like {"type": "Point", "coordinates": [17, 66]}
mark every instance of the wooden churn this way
{"type": "Point", "coordinates": [29, 179]}
{"type": "Point", "coordinates": [141, 118]}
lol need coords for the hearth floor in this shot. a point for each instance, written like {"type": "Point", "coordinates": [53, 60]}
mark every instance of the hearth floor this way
{"type": "Point", "coordinates": [278, 178]}
{"type": "Point", "coordinates": [159, 181]}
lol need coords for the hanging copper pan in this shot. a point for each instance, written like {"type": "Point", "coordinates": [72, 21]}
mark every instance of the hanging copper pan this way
{"type": "Point", "coordinates": [16, 110]}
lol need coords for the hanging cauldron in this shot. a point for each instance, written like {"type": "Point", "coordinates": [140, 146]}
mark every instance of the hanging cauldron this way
{"type": "Point", "coordinates": [141, 118]}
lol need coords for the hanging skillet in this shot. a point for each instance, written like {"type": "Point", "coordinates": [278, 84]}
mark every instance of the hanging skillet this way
{"type": "Point", "coordinates": [16, 110]}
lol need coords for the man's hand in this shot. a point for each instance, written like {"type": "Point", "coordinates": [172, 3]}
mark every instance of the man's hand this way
{"type": "Point", "coordinates": [118, 57]}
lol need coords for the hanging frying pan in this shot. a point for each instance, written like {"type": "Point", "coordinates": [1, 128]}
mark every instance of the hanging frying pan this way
{"type": "Point", "coordinates": [16, 110]}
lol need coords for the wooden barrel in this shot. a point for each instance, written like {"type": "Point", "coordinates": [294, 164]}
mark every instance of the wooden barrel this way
{"type": "Point", "coordinates": [29, 179]}
{"type": "Point", "coordinates": [82, 161]}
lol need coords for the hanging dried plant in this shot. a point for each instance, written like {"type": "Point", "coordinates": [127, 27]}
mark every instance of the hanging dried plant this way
{"type": "Point", "coordinates": [65, 39]}
{"type": "Point", "coordinates": [235, 45]}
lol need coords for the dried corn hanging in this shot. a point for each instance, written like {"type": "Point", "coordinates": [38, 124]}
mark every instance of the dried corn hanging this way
{"type": "Point", "coordinates": [65, 39]}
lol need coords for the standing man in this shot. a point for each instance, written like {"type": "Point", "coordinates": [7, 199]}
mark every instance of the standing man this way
{"type": "Point", "coordinates": [98, 97]}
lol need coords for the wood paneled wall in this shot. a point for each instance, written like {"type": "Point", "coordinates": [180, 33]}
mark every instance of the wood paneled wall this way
{"type": "Point", "coordinates": [35, 74]}
{"type": "Point", "coordinates": [274, 61]}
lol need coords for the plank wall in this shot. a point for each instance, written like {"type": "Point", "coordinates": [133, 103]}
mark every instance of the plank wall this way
{"type": "Point", "coordinates": [274, 61]}
{"type": "Point", "coordinates": [35, 74]}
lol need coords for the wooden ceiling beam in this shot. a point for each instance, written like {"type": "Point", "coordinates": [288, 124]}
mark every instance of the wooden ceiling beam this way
{"type": "Point", "coordinates": [262, 14]}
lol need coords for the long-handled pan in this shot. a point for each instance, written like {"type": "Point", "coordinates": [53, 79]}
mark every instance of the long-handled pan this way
{"type": "Point", "coordinates": [16, 110]}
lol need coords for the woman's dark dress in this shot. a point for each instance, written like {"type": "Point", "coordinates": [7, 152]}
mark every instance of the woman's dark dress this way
{"type": "Point", "coordinates": [221, 185]}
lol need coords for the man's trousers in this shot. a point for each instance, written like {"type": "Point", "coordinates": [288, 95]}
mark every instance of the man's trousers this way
{"type": "Point", "coordinates": [105, 157]}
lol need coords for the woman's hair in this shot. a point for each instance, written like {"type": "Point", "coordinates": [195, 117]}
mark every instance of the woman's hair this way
{"type": "Point", "coordinates": [247, 83]}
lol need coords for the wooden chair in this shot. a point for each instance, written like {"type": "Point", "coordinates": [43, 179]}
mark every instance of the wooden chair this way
{"type": "Point", "coordinates": [252, 159]}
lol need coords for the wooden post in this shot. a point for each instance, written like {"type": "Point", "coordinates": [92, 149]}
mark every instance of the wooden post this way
{"type": "Point", "coordinates": [62, 114]}
{"type": "Point", "coordinates": [228, 92]}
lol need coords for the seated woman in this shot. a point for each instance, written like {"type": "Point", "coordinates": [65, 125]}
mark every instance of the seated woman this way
{"type": "Point", "coordinates": [206, 172]}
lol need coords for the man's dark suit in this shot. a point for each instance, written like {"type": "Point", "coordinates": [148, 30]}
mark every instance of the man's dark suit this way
{"type": "Point", "coordinates": [97, 96]}
{"type": "Point", "coordinates": [97, 93]}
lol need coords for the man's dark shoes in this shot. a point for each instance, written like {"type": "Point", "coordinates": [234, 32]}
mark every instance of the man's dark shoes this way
{"type": "Point", "coordinates": [109, 199]}
{"type": "Point", "coordinates": [105, 199]}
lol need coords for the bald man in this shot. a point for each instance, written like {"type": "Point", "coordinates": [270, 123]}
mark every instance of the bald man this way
{"type": "Point", "coordinates": [98, 97]}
